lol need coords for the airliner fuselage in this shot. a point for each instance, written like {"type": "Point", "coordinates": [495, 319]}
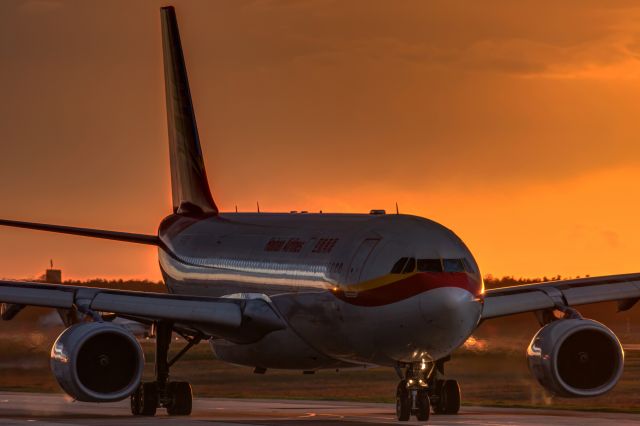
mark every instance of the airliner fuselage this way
{"type": "Point", "coordinates": [354, 289]}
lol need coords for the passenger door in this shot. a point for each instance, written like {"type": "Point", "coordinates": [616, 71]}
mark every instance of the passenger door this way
{"type": "Point", "coordinates": [360, 259]}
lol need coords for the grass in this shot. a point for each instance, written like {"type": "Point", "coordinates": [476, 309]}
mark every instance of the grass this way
{"type": "Point", "coordinates": [492, 373]}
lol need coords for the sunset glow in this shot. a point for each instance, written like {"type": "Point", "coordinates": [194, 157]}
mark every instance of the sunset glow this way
{"type": "Point", "coordinates": [512, 123]}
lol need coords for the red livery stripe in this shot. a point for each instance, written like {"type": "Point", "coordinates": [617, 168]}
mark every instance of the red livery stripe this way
{"type": "Point", "coordinates": [410, 286]}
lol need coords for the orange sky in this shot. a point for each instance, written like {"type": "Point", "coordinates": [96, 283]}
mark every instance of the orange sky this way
{"type": "Point", "coordinates": [516, 124]}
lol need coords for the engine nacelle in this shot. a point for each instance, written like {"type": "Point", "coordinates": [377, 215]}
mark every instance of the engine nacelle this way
{"type": "Point", "coordinates": [97, 362]}
{"type": "Point", "coordinates": [576, 358]}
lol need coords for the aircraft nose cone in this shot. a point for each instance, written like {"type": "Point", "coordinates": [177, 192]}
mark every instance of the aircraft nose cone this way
{"type": "Point", "coordinates": [451, 314]}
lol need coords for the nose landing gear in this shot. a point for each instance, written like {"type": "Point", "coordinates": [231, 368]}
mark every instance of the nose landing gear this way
{"type": "Point", "coordinates": [412, 394]}
{"type": "Point", "coordinates": [412, 401]}
{"type": "Point", "coordinates": [423, 389]}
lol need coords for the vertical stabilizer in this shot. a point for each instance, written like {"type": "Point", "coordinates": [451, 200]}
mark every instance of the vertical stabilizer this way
{"type": "Point", "coordinates": [190, 189]}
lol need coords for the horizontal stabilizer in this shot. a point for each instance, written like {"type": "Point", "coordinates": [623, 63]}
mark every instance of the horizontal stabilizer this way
{"type": "Point", "coordinates": [86, 232]}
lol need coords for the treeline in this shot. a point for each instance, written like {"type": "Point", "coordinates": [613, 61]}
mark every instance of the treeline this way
{"type": "Point", "coordinates": [133, 285]}
{"type": "Point", "coordinates": [158, 286]}
{"type": "Point", "coordinates": [494, 282]}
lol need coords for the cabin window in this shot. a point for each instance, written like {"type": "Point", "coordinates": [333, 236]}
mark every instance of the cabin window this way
{"type": "Point", "coordinates": [429, 265]}
{"type": "Point", "coordinates": [399, 266]}
{"type": "Point", "coordinates": [410, 266]}
{"type": "Point", "coordinates": [294, 245]}
{"type": "Point", "coordinates": [324, 245]}
{"type": "Point", "coordinates": [453, 265]}
{"type": "Point", "coordinates": [275, 244]}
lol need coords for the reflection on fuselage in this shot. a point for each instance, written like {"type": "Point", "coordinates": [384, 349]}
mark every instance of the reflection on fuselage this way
{"type": "Point", "coordinates": [333, 277]}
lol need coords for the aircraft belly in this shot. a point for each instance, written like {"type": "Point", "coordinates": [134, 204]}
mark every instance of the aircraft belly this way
{"type": "Point", "coordinates": [282, 349]}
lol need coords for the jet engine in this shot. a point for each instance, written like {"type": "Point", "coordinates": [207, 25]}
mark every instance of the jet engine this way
{"type": "Point", "coordinates": [576, 358]}
{"type": "Point", "coordinates": [97, 362]}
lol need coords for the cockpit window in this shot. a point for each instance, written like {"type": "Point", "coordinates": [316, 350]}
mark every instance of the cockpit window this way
{"type": "Point", "coordinates": [429, 265]}
{"type": "Point", "coordinates": [406, 265]}
{"type": "Point", "coordinates": [469, 267]}
{"type": "Point", "coordinates": [453, 265]}
{"type": "Point", "coordinates": [410, 266]}
{"type": "Point", "coordinates": [399, 266]}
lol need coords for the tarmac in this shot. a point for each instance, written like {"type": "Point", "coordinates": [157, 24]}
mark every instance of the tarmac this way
{"type": "Point", "coordinates": [55, 409]}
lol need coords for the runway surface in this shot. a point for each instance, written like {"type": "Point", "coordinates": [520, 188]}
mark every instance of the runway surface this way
{"type": "Point", "coordinates": [52, 409]}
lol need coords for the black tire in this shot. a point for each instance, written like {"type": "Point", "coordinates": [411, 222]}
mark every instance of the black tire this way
{"type": "Point", "coordinates": [136, 406]}
{"type": "Point", "coordinates": [436, 396]}
{"type": "Point", "coordinates": [449, 397]}
{"type": "Point", "coordinates": [403, 402]}
{"type": "Point", "coordinates": [144, 401]}
{"type": "Point", "coordinates": [181, 399]}
{"type": "Point", "coordinates": [423, 405]}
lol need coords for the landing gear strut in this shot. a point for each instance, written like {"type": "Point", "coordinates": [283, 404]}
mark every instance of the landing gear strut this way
{"type": "Point", "coordinates": [176, 397]}
{"type": "Point", "coordinates": [412, 395]}
{"type": "Point", "coordinates": [445, 393]}
{"type": "Point", "coordinates": [422, 388]}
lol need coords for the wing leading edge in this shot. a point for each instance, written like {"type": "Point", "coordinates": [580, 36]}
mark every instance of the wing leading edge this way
{"type": "Point", "coordinates": [549, 295]}
{"type": "Point", "coordinates": [237, 320]}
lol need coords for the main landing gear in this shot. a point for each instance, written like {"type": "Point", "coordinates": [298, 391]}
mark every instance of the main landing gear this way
{"type": "Point", "coordinates": [176, 397]}
{"type": "Point", "coordinates": [423, 389]}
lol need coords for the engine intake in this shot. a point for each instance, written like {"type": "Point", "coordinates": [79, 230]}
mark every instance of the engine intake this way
{"type": "Point", "coordinates": [97, 362]}
{"type": "Point", "coordinates": [576, 358]}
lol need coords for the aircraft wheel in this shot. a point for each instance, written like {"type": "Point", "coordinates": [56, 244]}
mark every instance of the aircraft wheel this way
{"type": "Point", "coordinates": [449, 398]}
{"type": "Point", "coordinates": [403, 402]}
{"type": "Point", "coordinates": [144, 401]}
{"type": "Point", "coordinates": [423, 406]}
{"type": "Point", "coordinates": [135, 402]}
{"type": "Point", "coordinates": [181, 399]}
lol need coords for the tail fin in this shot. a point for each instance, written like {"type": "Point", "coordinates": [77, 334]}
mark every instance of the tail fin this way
{"type": "Point", "coordinates": [190, 189]}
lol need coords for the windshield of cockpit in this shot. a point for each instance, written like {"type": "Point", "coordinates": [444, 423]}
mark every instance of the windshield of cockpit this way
{"type": "Point", "coordinates": [406, 265]}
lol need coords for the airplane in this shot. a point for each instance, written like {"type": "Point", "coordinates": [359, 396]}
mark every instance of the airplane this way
{"type": "Point", "coordinates": [307, 291]}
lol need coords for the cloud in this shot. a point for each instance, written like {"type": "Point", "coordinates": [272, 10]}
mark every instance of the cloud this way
{"type": "Point", "coordinates": [328, 99]}
{"type": "Point", "coordinates": [39, 6]}
{"type": "Point", "coordinates": [611, 238]}
{"type": "Point", "coordinates": [610, 58]}
{"type": "Point", "coordinates": [561, 40]}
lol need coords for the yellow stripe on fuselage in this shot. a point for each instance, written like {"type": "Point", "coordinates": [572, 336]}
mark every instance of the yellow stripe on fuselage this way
{"type": "Point", "coordinates": [378, 282]}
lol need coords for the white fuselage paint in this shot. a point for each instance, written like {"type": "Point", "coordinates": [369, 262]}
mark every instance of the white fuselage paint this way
{"type": "Point", "coordinates": [328, 276]}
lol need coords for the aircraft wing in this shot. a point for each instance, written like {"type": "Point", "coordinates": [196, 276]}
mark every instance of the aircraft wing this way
{"type": "Point", "coordinates": [233, 318]}
{"type": "Point", "coordinates": [549, 295]}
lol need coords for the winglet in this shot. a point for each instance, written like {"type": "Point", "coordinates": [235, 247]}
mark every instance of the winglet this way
{"type": "Point", "coordinates": [189, 185]}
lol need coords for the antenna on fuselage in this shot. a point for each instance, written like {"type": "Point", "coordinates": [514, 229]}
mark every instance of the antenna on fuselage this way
{"type": "Point", "coordinates": [236, 208]}
{"type": "Point", "coordinates": [258, 205]}
{"type": "Point", "coordinates": [397, 209]}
